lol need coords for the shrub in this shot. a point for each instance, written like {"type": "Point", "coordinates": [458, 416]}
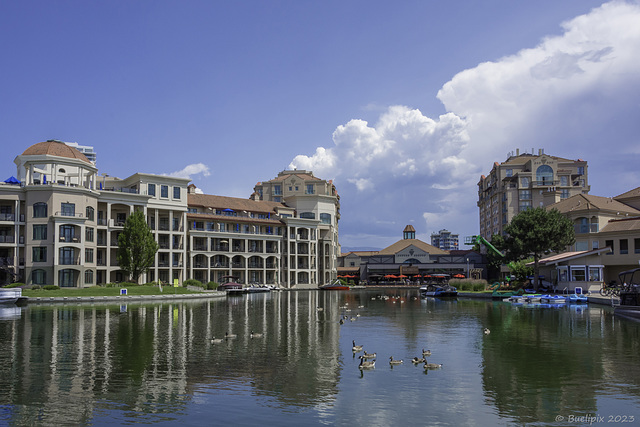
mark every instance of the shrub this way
{"type": "Point", "coordinates": [14, 285]}
{"type": "Point", "coordinates": [192, 282]}
{"type": "Point", "coordinates": [212, 286]}
{"type": "Point", "coordinates": [35, 287]}
{"type": "Point", "coordinates": [51, 287]}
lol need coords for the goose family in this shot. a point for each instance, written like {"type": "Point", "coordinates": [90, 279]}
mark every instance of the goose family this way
{"type": "Point", "coordinates": [366, 364]}
{"type": "Point", "coordinates": [356, 348]}
{"type": "Point", "coordinates": [392, 361]}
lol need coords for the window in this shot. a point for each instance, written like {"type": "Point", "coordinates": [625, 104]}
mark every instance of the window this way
{"type": "Point", "coordinates": [88, 234]}
{"type": "Point", "coordinates": [164, 191]}
{"type": "Point", "coordinates": [609, 243]}
{"type": "Point", "coordinates": [176, 193]}
{"type": "Point", "coordinates": [525, 195]}
{"type": "Point", "coordinates": [578, 273]}
{"type": "Point", "coordinates": [68, 209]}
{"type": "Point", "coordinates": [325, 218]}
{"type": "Point", "coordinates": [636, 246]}
{"type": "Point", "coordinates": [151, 189]}
{"type": "Point", "coordinates": [564, 181]}
{"type": "Point", "coordinates": [624, 246]}
{"type": "Point", "coordinates": [67, 256]}
{"type": "Point", "coordinates": [544, 175]}
{"type": "Point", "coordinates": [595, 274]}
{"type": "Point", "coordinates": [192, 210]}
{"type": "Point", "coordinates": [310, 189]}
{"type": "Point", "coordinates": [39, 210]}
{"type": "Point", "coordinates": [39, 277]}
{"type": "Point", "coordinates": [595, 244]}
{"type": "Point", "coordinates": [40, 254]}
{"type": "Point", "coordinates": [88, 255]}
{"type": "Point", "coordinates": [277, 190]}
{"type": "Point", "coordinates": [90, 213]}
{"type": "Point", "coordinates": [66, 278]}
{"type": "Point", "coordinates": [564, 193]}
{"type": "Point", "coordinates": [524, 182]}
{"type": "Point", "coordinates": [580, 170]}
{"type": "Point", "coordinates": [582, 245]}
{"type": "Point", "coordinates": [88, 277]}
{"type": "Point", "coordinates": [508, 172]}
{"type": "Point", "coordinates": [524, 205]}
{"type": "Point", "coordinates": [40, 232]}
{"type": "Point", "coordinates": [308, 215]}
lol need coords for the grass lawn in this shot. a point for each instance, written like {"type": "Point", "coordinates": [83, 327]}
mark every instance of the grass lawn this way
{"type": "Point", "coordinates": [99, 291]}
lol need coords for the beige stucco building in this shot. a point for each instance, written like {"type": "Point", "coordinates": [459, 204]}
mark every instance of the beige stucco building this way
{"type": "Point", "coordinates": [607, 232]}
{"type": "Point", "coordinates": [60, 221]}
{"type": "Point", "coordinates": [523, 181]}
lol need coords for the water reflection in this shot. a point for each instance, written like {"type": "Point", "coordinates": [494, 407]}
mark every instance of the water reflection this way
{"type": "Point", "coordinates": [156, 362]}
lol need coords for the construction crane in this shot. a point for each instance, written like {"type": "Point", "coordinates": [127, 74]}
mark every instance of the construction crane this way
{"type": "Point", "coordinates": [482, 241]}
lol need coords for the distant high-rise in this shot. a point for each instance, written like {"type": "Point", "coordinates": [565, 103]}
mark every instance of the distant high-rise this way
{"type": "Point", "coordinates": [87, 150]}
{"type": "Point", "coordinates": [445, 240]}
{"type": "Point", "coordinates": [524, 181]}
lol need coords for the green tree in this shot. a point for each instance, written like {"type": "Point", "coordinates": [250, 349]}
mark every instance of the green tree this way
{"type": "Point", "coordinates": [136, 246]}
{"type": "Point", "coordinates": [537, 232]}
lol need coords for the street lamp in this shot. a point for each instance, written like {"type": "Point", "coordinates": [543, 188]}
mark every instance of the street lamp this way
{"type": "Point", "coordinates": [468, 276]}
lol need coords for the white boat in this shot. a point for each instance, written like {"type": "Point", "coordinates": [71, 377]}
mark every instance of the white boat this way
{"type": "Point", "coordinates": [10, 296]}
{"type": "Point", "coordinates": [257, 288]}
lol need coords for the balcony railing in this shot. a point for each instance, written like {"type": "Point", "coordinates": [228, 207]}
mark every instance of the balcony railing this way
{"type": "Point", "coordinates": [7, 217]}
{"type": "Point", "coordinates": [6, 260]}
{"type": "Point", "coordinates": [7, 239]}
{"type": "Point", "coordinates": [70, 239]}
{"type": "Point", "coordinates": [586, 228]}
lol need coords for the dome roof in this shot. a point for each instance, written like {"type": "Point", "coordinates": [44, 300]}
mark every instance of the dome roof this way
{"type": "Point", "coordinates": [53, 147]}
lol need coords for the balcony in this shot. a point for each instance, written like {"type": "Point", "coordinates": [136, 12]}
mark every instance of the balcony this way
{"type": "Point", "coordinates": [70, 239]}
{"type": "Point", "coordinates": [69, 261]}
{"type": "Point", "coordinates": [7, 239]}
{"type": "Point", "coordinates": [7, 217]}
{"type": "Point", "coordinates": [586, 228]}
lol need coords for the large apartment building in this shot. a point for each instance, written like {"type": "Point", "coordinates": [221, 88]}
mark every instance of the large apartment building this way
{"type": "Point", "coordinates": [60, 221]}
{"type": "Point", "coordinates": [445, 240]}
{"type": "Point", "coordinates": [523, 181]}
{"type": "Point", "coordinates": [311, 246]}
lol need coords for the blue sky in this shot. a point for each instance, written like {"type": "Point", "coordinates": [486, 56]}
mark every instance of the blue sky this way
{"type": "Point", "coordinates": [403, 104]}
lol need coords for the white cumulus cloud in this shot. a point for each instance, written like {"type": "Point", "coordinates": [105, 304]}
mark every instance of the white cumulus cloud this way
{"type": "Point", "coordinates": [190, 170]}
{"type": "Point", "coordinates": [574, 94]}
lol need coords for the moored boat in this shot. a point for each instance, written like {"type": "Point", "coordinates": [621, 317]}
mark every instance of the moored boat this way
{"type": "Point", "coordinates": [553, 299]}
{"type": "Point", "coordinates": [10, 296]}
{"type": "Point", "coordinates": [441, 291]}
{"type": "Point", "coordinates": [232, 288]}
{"type": "Point", "coordinates": [336, 285]}
{"type": "Point", "coordinates": [258, 288]}
{"type": "Point", "coordinates": [577, 296]}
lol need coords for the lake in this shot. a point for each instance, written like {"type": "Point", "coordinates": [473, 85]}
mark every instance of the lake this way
{"type": "Point", "coordinates": [154, 363]}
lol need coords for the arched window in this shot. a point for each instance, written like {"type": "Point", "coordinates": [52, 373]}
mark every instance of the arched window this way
{"type": "Point", "coordinates": [544, 175]}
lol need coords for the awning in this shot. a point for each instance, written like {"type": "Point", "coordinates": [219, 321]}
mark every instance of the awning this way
{"type": "Point", "coordinates": [11, 180]}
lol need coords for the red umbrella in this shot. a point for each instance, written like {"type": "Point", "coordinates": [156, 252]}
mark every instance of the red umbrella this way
{"type": "Point", "coordinates": [459, 276]}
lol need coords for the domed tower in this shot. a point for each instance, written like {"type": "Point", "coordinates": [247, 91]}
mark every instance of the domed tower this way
{"type": "Point", "coordinates": [54, 161]}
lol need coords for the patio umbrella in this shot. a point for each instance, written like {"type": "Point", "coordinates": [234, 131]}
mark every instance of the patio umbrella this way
{"type": "Point", "coordinates": [459, 276]}
{"type": "Point", "coordinates": [12, 180]}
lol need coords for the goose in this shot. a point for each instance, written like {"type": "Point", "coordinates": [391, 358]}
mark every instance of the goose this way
{"type": "Point", "coordinates": [215, 340]}
{"type": "Point", "coordinates": [369, 355]}
{"type": "Point", "coordinates": [432, 365]}
{"type": "Point", "coordinates": [487, 331]}
{"type": "Point", "coordinates": [356, 348]}
{"type": "Point", "coordinates": [426, 353]}
{"type": "Point", "coordinates": [416, 360]}
{"type": "Point", "coordinates": [366, 364]}
{"type": "Point", "coordinates": [255, 335]}
{"type": "Point", "coordinates": [320, 309]}
{"type": "Point", "coordinates": [342, 321]}
{"type": "Point", "coordinates": [228, 335]}
{"type": "Point", "coordinates": [353, 319]}
{"type": "Point", "coordinates": [395, 362]}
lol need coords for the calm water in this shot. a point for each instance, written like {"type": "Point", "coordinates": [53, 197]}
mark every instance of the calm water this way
{"type": "Point", "coordinates": [155, 364]}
